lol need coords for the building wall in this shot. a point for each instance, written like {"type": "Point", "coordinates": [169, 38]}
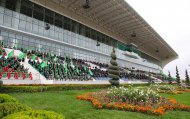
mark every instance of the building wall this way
{"type": "Point", "coordinates": [20, 30]}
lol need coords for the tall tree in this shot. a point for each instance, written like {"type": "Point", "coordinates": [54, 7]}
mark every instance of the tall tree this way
{"type": "Point", "coordinates": [186, 77]}
{"type": "Point", "coordinates": [177, 76]}
{"type": "Point", "coordinates": [1, 48]}
{"type": "Point", "coordinates": [113, 72]}
{"type": "Point", "coordinates": [169, 78]}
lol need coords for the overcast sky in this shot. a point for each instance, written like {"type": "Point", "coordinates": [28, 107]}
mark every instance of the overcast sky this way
{"type": "Point", "coordinates": [171, 19]}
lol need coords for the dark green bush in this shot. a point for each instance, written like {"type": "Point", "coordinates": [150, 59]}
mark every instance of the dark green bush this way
{"type": "Point", "coordinates": [1, 83]}
{"type": "Point", "coordinates": [35, 114]}
{"type": "Point", "coordinates": [113, 71]}
{"type": "Point", "coordinates": [8, 89]}
{"type": "Point", "coordinates": [6, 98]}
{"type": "Point", "coordinates": [63, 87]}
{"type": "Point", "coordinates": [10, 107]}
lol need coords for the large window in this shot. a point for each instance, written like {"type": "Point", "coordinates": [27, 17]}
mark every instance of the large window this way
{"type": "Point", "coordinates": [67, 23]}
{"type": "Point", "coordinates": [49, 16]}
{"type": "Point", "coordinates": [9, 4]}
{"type": "Point", "coordinates": [58, 20]}
{"type": "Point", "coordinates": [38, 12]}
{"type": "Point", "coordinates": [26, 7]}
{"type": "Point", "coordinates": [75, 27]}
{"type": "Point", "coordinates": [41, 14]}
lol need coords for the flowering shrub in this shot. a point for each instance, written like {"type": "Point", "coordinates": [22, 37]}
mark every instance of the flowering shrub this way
{"type": "Point", "coordinates": [132, 94]}
{"type": "Point", "coordinates": [133, 99]}
{"type": "Point", "coordinates": [170, 89]}
{"type": "Point", "coordinates": [157, 87]}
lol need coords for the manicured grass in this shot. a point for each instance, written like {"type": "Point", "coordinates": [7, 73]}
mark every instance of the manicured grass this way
{"type": "Point", "coordinates": [65, 102]}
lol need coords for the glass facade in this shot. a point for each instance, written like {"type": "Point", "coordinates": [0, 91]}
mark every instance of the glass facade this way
{"type": "Point", "coordinates": [63, 36]}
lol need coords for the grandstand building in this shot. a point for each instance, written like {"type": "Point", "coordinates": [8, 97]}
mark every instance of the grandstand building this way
{"type": "Point", "coordinates": [85, 29]}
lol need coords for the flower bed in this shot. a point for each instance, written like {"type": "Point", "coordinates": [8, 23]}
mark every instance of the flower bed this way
{"type": "Point", "coordinates": [169, 89]}
{"type": "Point", "coordinates": [134, 99]}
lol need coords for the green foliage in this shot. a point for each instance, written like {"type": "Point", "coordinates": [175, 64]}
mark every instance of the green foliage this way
{"type": "Point", "coordinates": [177, 76]}
{"type": "Point", "coordinates": [135, 94]}
{"type": "Point", "coordinates": [113, 72]}
{"type": "Point", "coordinates": [65, 102]}
{"type": "Point", "coordinates": [186, 77]}
{"type": "Point", "coordinates": [1, 83]}
{"type": "Point", "coordinates": [10, 107]}
{"type": "Point", "coordinates": [169, 78]}
{"type": "Point", "coordinates": [64, 87]}
{"type": "Point", "coordinates": [35, 114]}
{"type": "Point", "coordinates": [165, 88]}
{"type": "Point", "coordinates": [6, 98]}
{"type": "Point", "coordinates": [39, 88]}
{"type": "Point", "coordinates": [1, 48]}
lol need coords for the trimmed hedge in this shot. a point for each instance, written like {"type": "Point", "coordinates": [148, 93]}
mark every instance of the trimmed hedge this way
{"type": "Point", "coordinates": [40, 88]}
{"type": "Point", "coordinates": [10, 107]}
{"type": "Point", "coordinates": [44, 88]}
{"type": "Point", "coordinates": [7, 98]}
{"type": "Point", "coordinates": [35, 114]}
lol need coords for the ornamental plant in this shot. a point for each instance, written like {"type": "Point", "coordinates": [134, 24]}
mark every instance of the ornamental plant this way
{"type": "Point", "coordinates": [7, 98]}
{"type": "Point", "coordinates": [113, 72]}
{"type": "Point", "coordinates": [1, 48]}
{"type": "Point", "coordinates": [164, 88]}
{"type": "Point", "coordinates": [169, 78]}
{"type": "Point", "coordinates": [186, 77]}
{"type": "Point", "coordinates": [35, 114]}
{"type": "Point", "coordinates": [132, 95]}
{"type": "Point", "coordinates": [113, 99]}
{"type": "Point", "coordinates": [11, 107]}
{"type": "Point", "coordinates": [177, 76]}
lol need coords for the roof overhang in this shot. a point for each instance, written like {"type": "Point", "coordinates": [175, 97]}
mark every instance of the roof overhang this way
{"type": "Point", "coordinates": [120, 18]}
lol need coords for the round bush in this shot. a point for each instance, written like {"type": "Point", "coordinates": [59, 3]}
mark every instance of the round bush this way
{"type": "Point", "coordinates": [7, 98]}
{"type": "Point", "coordinates": [10, 107]}
{"type": "Point", "coordinates": [35, 114]}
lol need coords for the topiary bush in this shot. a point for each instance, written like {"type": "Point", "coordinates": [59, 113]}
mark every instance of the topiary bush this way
{"type": "Point", "coordinates": [113, 72]}
{"type": "Point", "coordinates": [1, 83]}
{"type": "Point", "coordinates": [35, 114]}
{"type": "Point", "coordinates": [7, 98]}
{"type": "Point", "coordinates": [11, 107]}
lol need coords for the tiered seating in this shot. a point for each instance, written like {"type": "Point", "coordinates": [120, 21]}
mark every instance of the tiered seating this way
{"type": "Point", "coordinates": [11, 68]}
{"type": "Point", "coordinates": [59, 68]}
{"type": "Point", "coordinates": [99, 70]}
{"type": "Point", "coordinates": [63, 68]}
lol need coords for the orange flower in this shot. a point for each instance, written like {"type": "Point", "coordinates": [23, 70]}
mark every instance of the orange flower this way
{"type": "Point", "coordinates": [97, 103]}
{"type": "Point", "coordinates": [173, 101]}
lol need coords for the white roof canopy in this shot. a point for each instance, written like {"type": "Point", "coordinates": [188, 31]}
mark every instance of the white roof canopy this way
{"type": "Point", "coordinates": [120, 18]}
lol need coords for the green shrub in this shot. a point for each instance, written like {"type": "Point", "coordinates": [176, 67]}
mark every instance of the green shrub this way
{"type": "Point", "coordinates": [113, 71]}
{"type": "Point", "coordinates": [39, 88]}
{"type": "Point", "coordinates": [1, 82]}
{"type": "Point", "coordinates": [10, 107]}
{"type": "Point", "coordinates": [35, 114]}
{"type": "Point", "coordinates": [133, 94]}
{"type": "Point", "coordinates": [62, 87]}
{"type": "Point", "coordinates": [7, 98]}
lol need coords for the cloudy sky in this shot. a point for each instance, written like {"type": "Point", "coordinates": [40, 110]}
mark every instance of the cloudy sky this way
{"type": "Point", "coordinates": [171, 19]}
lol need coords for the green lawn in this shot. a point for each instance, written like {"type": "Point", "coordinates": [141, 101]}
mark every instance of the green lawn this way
{"type": "Point", "coordinates": [65, 102]}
